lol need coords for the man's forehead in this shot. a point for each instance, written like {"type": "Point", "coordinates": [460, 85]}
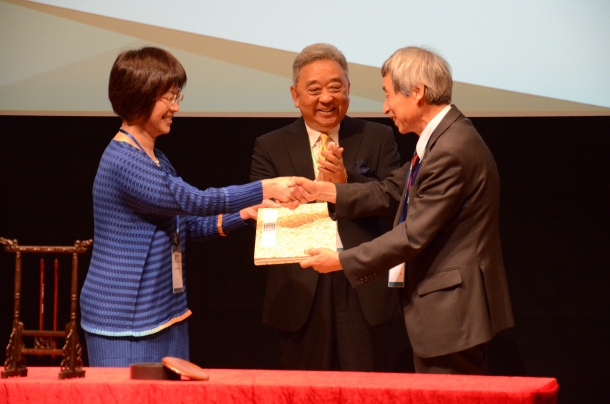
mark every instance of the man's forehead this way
{"type": "Point", "coordinates": [337, 79]}
{"type": "Point", "coordinates": [321, 69]}
{"type": "Point", "coordinates": [388, 85]}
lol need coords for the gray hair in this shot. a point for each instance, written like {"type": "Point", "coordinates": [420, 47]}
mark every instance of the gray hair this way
{"type": "Point", "coordinates": [411, 66]}
{"type": "Point", "coordinates": [317, 51]}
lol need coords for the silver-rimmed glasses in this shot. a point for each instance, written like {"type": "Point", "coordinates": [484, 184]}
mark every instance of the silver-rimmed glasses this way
{"type": "Point", "coordinates": [176, 98]}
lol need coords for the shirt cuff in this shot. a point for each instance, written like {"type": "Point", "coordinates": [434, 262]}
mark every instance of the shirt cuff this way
{"type": "Point", "coordinates": [231, 222]}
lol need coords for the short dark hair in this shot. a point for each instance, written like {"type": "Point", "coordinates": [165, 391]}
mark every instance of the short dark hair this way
{"type": "Point", "coordinates": [138, 77]}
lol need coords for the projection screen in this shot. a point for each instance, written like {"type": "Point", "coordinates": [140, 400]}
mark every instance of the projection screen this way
{"type": "Point", "coordinates": [517, 58]}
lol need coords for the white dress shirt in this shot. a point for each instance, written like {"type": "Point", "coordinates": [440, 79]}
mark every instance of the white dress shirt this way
{"type": "Point", "coordinates": [420, 147]}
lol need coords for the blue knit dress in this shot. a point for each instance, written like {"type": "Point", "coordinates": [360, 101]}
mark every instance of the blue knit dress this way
{"type": "Point", "coordinates": [128, 288]}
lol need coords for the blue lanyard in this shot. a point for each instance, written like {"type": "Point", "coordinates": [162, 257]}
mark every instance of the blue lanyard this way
{"type": "Point", "coordinates": [177, 232]}
{"type": "Point", "coordinates": [132, 138]}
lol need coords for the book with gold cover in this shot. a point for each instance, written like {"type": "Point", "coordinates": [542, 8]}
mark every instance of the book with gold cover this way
{"type": "Point", "coordinates": [283, 235]}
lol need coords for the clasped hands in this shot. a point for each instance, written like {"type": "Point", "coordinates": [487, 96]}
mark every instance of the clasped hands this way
{"type": "Point", "coordinates": [331, 167]}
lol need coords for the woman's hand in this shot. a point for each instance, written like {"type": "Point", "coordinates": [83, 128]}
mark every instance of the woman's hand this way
{"type": "Point", "coordinates": [278, 189]}
{"type": "Point", "coordinates": [306, 190]}
{"type": "Point", "coordinates": [252, 211]}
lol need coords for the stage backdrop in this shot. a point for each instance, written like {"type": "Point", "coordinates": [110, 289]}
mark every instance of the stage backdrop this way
{"type": "Point", "coordinates": [554, 224]}
{"type": "Point", "coordinates": [517, 58]}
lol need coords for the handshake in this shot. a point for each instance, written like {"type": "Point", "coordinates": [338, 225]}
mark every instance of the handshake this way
{"type": "Point", "coordinates": [290, 192]}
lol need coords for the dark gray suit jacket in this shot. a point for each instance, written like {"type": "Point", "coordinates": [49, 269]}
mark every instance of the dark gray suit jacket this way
{"type": "Point", "coordinates": [456, 294]}
{"type": "Point", "coordinates": [370, 154]}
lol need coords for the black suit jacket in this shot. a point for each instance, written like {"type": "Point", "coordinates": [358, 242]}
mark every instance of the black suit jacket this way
{"type": "Point", "coordinates": [370, 154]}
{"type": "Point", "coordinates": [456, 294]}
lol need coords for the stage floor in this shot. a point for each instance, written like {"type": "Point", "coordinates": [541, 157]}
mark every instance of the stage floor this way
{"type": "Point", "coordinates": [113, 385]}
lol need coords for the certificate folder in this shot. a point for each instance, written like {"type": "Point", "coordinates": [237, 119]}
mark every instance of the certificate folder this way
{"type": "Point", "coordinates": [283, 235]}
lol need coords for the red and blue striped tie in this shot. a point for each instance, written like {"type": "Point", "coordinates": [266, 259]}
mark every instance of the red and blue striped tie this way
{"type": "Point", "coordinates": [413, 170]}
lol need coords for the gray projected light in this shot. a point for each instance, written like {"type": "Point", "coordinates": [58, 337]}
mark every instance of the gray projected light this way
{"type": "Point", "coordinates": [518, 58]}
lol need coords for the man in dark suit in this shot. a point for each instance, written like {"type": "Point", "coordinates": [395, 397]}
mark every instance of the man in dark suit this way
{"type": "Point", "coordinates": [446, 230]}
{"type": "Point", "coordinates": [324, 323]}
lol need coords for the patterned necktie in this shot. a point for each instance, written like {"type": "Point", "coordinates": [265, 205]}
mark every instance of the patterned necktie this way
{"type": "Point", "coordinates": [322, 146]}
{"type": "Point", "coordinates": [413, 170]}
{"type": "Point", "coordinates": [324, 140]}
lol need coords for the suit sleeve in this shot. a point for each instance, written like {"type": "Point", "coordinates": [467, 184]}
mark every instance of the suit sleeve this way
{"type": "Point", "coordinates": [388, 159]}
{"type": "Point", "coordinates": [439, 195]}
{"type": "Point", "coordinates": [371, 198]}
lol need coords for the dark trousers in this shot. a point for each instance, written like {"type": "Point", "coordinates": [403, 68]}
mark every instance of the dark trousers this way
{"type": "Point", "coordinates": [472, 361]}
{"type": "Point", "coordinates": [337, 336]}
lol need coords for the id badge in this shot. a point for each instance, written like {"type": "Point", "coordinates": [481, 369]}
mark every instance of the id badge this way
{"type": "Point", "coordinates": [177, 284]}
{"type": "Point", "coordinates": [396, 277]}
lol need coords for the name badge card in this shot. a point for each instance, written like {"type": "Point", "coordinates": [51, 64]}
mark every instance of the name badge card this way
{"type": "Point", "coordinates": [396, 277]}
{"type": "Point", "coordinates": [177, 283]}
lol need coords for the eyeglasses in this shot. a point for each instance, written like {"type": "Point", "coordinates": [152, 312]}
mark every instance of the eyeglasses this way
{"type": "Point", "coordinates": [176, 98]}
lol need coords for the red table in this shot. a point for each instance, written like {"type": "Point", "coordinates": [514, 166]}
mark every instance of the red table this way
{"type": "Point", "coordinates": [112, 385]}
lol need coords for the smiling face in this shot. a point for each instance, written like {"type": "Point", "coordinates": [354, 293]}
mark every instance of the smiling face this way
{"type": "Point", "coordinates": [160, 119]}
{"type": "Point", "coordinates": [404, 111]}
{"type": "Point", "coordinates": [322, 94]}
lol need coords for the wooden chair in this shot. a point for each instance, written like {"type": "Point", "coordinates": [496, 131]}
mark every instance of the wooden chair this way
{"type": "Point", "coordinates": [45, 341]}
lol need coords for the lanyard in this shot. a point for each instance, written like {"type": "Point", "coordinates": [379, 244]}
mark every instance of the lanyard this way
{"type": "Point", "coordinates": [176, 233]}
{"type": "Point", "coordinates": [132, 138]}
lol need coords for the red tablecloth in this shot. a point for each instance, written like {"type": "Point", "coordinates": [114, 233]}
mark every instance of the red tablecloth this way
{"type": "Point", "coordinates": [112, 385]}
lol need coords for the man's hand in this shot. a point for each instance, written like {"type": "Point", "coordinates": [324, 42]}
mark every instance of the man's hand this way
{"type": "Point", "coordinates": [278, 189]}
{"type": "Point", "coordinates": [331, 168]}
{"type": "Point", "coordinates": [322, 260]}
{"type": "Point", "coordinates": [252, 211]}
{"type": "Point", "coordinates": [307, 190]}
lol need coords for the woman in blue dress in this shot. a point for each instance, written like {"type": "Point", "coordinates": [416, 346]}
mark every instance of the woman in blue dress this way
{"type": "Point", "coordinates": [133, 302]}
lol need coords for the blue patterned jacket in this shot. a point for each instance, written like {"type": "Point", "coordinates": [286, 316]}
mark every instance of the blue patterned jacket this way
{"type": "Point", "coordinates": [128, 288]}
